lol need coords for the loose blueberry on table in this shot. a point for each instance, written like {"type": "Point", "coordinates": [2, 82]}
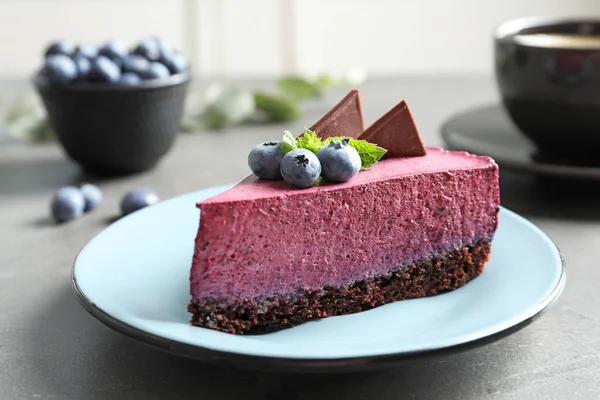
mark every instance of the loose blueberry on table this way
{"type": "Point", "coordinates": [70, 202]}
{"type": "Point", "coordinates": [92, 195]}
{"type": "Point", "coordinates": [67, 203]}
{"type": "Point", "coordinates": [137, 199]}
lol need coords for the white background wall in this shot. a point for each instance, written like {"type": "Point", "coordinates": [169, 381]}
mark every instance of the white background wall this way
{"type": "Point", "coordinates": [263, 37]}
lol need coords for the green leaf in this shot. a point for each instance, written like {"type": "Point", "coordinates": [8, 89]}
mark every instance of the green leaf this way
{"type": "Point", "coordinates": [30, 130]}
{"type": "Point", "coordinates": [296, 88]}
{"type": "Point", "coordinates": [310, 141]}
{"type": "Point", "coordinates": [288, 143]}
{"type": "Point", "coordinates": [213, 118]}
{"type": "Point", "coordinates": [189, 124]}
{"type": "Point", "coordinates": [277, 108]}
{"type": "Point", "coordinates": [369, 153]}
{"type": "Point", "coordinates": [26, 120]}
{"type": "Point", "coordinates": [229, 107]}
{"type": "Point", "coordinates": [44, 132]}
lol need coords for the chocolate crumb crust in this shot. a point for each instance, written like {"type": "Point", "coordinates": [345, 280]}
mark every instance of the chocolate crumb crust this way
{"type": "Point", "coordinates": [423, 278]}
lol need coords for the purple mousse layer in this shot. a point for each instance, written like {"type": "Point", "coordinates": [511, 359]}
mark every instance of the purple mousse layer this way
{"type": "Point", "coordinates": [261, 238]}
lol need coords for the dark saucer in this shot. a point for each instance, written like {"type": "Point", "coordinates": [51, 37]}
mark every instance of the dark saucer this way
{"type": "Point", "coordinates": [489, 131]}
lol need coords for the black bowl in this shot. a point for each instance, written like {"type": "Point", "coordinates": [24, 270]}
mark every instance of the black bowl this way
{"type": "Point", "coordinates": [113, 129]}
{"type": "Point", "coordinates": [550, 87]}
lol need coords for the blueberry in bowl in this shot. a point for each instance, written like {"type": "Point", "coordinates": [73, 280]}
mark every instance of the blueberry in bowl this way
{"type": "Point", "coordinates": [59, 47]}
{"type": "Point", "coordinates": [87, 50]}
{"type": "Point", "coordinates": [113, 110]}
{"type": "Point", "coordinates": [149, 49]}
{"type": "Point", "coordinates": [115, 50]}
{"type": "Point", "coordinates": [60, 68]}
{"type": "Point", "coordinates": [104, 69]}
{"type": "Point", "coordinates": [136, 64]}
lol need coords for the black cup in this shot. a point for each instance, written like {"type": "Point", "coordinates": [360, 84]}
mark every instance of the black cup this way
{"type": "Point", "coordinates": [551, 87]}
{"type": "Point", "coordinates": [113, 129]}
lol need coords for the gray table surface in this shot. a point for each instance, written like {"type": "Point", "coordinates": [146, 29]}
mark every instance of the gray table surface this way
{"type": "Point", "coordinates": [50, 348]}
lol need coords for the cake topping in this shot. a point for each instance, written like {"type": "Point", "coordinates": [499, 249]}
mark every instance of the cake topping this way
{"type": "Point", "coordinates": [309, 140]}
{"type": "Point", "coordinates": [300, 168]}
{"type": "Point", "coordinates": [342, 156]}
{"type": "Point", "coordinates": [342, 147]}
{"type": "Point", "coordinates": [345, 119]}
{"type": "Point", "coordinates": [264, 160]}
{"type": "Point", "coordinates": [369, 153]}
{"type": "Point", "coordinates": [397, 132]}
{"type": "Point", "coordinates": [339, 161]}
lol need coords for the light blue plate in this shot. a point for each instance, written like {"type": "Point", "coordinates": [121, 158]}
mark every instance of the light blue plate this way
{"type": "Point", "coordinates": [134, 277]}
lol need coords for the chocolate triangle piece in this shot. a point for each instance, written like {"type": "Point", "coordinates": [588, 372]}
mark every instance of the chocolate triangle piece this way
{"type": "Point", "coordinates": [397, 132]}
{"type": "Point", "coordinates": [345, 119]}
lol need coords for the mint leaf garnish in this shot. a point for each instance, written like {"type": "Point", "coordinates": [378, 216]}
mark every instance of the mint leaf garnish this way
{"type": "Point", "coordinates": [310, 141]}
{"type": "Point", "coordinates": [288, 143]}
{"type": "Point", "coordinates": [369, 153]}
